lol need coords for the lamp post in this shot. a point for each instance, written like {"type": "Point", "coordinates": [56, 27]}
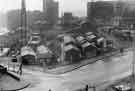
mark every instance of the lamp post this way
{"type": "Point", "coordinates": [133, 65]}
{"type": "Point", "coordinates": [23, 23]}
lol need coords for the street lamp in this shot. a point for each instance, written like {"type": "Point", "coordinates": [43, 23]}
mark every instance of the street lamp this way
{"type": "Point", "coordinates": [133, 64]}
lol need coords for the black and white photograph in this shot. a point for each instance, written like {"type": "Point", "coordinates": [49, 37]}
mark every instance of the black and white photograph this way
{"type": "Point", "coordinates": [67, 45]}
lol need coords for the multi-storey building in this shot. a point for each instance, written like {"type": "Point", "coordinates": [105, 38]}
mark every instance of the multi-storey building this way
{"type": "Point", "coordinates": [67, 19]}
{"type": "Point", "coordinates": [105, 11]}
{"type": "Point", "coordinates": [51, 11]}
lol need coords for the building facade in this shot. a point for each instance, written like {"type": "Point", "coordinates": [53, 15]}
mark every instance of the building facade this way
{"type": "Point", "coordinates": [51, 11]}
{"type": "Point", "coordinates": [67, 19]}
{"type": "Point", "coordinates": [104, 12]}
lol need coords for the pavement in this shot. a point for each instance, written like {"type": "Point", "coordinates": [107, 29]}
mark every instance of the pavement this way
{"type": "Point", "coordinates": [100, 73]}
{"type": "Point", "coordinates": [72, 67]}
{"type": "Point", "coordinates": [9, 81]}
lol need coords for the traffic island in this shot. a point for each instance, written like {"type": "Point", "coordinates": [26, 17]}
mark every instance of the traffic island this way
{"type": "Point", "coordinates": [11, 82]}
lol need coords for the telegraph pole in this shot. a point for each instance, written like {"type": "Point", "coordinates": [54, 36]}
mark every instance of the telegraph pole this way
{"type": "Point", "coordinates": [91, 9]}
{"type": "Point", "coordinates": [133, 65]}
{"type": "Point", "coordinates": [23, 24]}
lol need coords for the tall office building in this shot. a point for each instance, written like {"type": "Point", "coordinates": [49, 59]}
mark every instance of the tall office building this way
{"type": "Point", "coordinates": [89, 9]}
{"type": "Point", "coordinates": [100, 9]}
{"type": "Point", "coordinates": [51, 11]}
{"type": "Point", "coordinates": [106, 11]}
{"type": "Point", "coordinates": [67, 18]}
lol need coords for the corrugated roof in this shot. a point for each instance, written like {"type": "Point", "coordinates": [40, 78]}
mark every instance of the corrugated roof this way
{"type": "Point", "coordinates": [27, 51]}
{"type": "Point", "coordinates": [68, 39]}
{"type": "Point", "coordinates": [70, 47]}
{"type": "Point", "coordinates": [43, 49]}
{"type": "Point", "coordinates": [43, 52]}
{"type": "Point", "coordinates": [86, 44]}
{"type": "Point", "coordinates": [91, 36]}
{"type": "Point", "coordinates": [100, 39]}
{"type": "Point", "coordinates": [89, 33]}
{"type": "Point", "coordinates": [80, 38]}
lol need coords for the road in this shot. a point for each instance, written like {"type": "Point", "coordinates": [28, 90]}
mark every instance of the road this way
{"type": "Point", "coordinates": [99, 73]}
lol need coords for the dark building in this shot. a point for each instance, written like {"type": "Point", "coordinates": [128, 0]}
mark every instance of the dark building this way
{"type": "Point", "coordinates": [67, 19]}
{"type": "Point", "coordinates": [89, 9]}
{"type": "Point", "coordinates": [89, 50]}
{"type": "Point", "coordinates": [119, 9]}
{"type": "Point", "coordinates": [72, 53]}
{"type": "Point", "coordinates": [51, 11]}
{"type": "Point", "coordinates": [117, 13]}
{"type": "Point", "coordinates": [23, 23]}
{"type": "Point", "coordinates": [129, 16]}
{"type": "Point", "coordinates": [100, 9]}
{"type": "Point", "coordinates": [104, 12]}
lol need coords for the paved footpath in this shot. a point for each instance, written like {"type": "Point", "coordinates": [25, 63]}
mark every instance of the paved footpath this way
{"type": "Point", "coordinates": [69, 68]}
{"type": "Point", "coordinates": [100, 73]}
{"type": "Point", "coordinates": [72, 67]}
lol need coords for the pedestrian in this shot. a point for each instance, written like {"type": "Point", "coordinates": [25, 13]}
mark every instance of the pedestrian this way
{"type": "Point", "coordinates": [50, 90]}
{"type": "Point", "coordinates": [1, 89]}
{"type": "Point", "coordinates": [21, 64]}
{"type": "Point", "coordinates": [1, 49]}
{"type": "Point", "coordinates": [86, 88]}
{"type": "Point", "coordinates": [20, 68]}
{"type": "Point", "coordinates": [121, 50]}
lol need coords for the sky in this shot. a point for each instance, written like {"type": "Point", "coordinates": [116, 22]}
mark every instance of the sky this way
{"type": "Point", "coordinates": [78, 7]}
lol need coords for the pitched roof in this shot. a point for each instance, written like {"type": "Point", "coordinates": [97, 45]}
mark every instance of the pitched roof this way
{"type": "Point", "coordinates": [86, 44]}
{"type": "Point", "coordinates": [68, 39]}
{"type": "Point", "coordinates": [43, 49]}
{"type": "Point", "coordinates": [43, 52]}
{"type": "Point", "coordinates": [90, 37]}
{"type": "Point", "coordinates": [100, 39]}
{"type": "Point", "coordinates": [70, 47]}
{"type": "Point", "coordinates": [80, 38]}
{"type": "Point", "coordinates": [27, 51]}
